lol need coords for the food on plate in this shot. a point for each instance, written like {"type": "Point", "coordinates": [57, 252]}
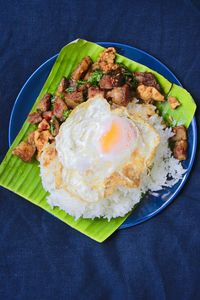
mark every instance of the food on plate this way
{"type": "Point", "coordinates": [179, 141]}
{"type": "Point", "coordinates": [82, 68]}
{"type": "Point", "coordinates": [25, 151]}
{"type": "Point", "coordinates": [100, 141]}
{"type": "Point", "coordinates": [103, 159]}
{"type": "Point", "coordinates": [147, 79]}
{"type": "Point", "coordinates": [149, 93]}
{"type": "Point", "coordinates": [104, 77]}
{"type": "Point", "coordinates": [173, 102]}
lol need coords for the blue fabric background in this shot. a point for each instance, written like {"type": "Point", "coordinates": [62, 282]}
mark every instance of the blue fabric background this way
{"type": "Point", "coordinates": [41, 257]}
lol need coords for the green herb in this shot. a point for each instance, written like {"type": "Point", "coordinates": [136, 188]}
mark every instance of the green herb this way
{"type": "Point", "coordinates": [133, 82]}
{"type": "Point", "coordinates": [61, 95]}
{"type": "Point", "coordinates": [125, 69]}
{"type": "Point", "coordinates": [52, 102]}
{"type": "Point", "coordinates": [126, 72]}
{"type": "Point", "coordinates": [80, 82]}
{"type": "Point", "coordinates": [95, 77]}
{"type": "Point", "coordinates": [70, 89]}
{"type": "Point", "coordinates": [52, 125]}
{"type": "Point", "coordinates": [66, 114]}
{"type": "Point", "coordinates": [129, 77]}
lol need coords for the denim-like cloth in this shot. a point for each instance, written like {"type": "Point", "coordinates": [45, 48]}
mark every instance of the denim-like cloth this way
{"type": "Point", "coordinates": [41, 257]}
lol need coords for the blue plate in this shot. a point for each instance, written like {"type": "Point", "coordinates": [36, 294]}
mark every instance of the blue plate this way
{"type": "Point", "coordinates": [150, 205]}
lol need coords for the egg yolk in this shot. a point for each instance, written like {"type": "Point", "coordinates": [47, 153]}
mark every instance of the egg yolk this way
{"type": "Point", "coordinates": [110, 138]}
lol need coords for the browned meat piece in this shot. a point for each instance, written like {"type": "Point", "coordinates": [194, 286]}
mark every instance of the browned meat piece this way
{"type": "Point", "coordinates": [120, 95]}
{"type": "Point", "coordinates": [147, 79]}
{"type": "Point", "coordinates": [83, 87]}
{"type": "Point", "coordinates": [180, 139]}
{"type": "Point", "coordinates": [63, 85]}
{"type": "Point", "coordinates": [114, 79]}
{"type": "Point", "coordinates": [76, 86]}
{"type": "Point", "coordinates": [54, 128]}
{"type": "Point", "coordinates": [47, 115]}
{"type": "Point", "coordinates": [34, 118]}
{"type": "Point", "coordinates": [180, 150]}
{"type": "Point", "coordinates": [30, 138]}
{"type": "Point", "coordinates": [82, 68]}
{"type": "Point", "coordinates": [106, 82]}
{"type": "Point", "coordinates": [73, 99]}
{"type": "Point", "coordinates": [73, 84]}
{"type": "Point", "coordinates": [25, 151]}
{"type": "Point", "coordinates": [118, 77]}
{"type": "Point", "coordinates": [44, 103]}
{"type": "Point", "coordinates": [59, 107]}
{"type": "Point", "coordinates": [106, 61]}
{"type": "Point", "coordinates": [94, 90]}
{"type": "Point", "coordinates": [40, 139]}
{"type": "Point", "coordinates": [180, 133]}
{"type": "Point", "coordinates": [173, 102]}
{"type": "Point", "coordinates": [88, 74]}
{"type": "Point", "coordinates": [149, 93]}
{"type": "Point", "coordinates": [44, 125]}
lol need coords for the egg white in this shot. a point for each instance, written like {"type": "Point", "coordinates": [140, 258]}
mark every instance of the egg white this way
{"type": "Point", "coordinates": [85, 170]}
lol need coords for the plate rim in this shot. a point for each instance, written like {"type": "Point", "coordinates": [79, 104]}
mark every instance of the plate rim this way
{"type": "Point", "coordinates": [192, 124]}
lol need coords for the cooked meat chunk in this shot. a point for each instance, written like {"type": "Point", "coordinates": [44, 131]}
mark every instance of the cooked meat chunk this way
{"type": "Point", "coordinates": [106, 82]}
{"type": "Point", "coordinates": [88, 74]}
{"type": "Point", "coordinates": [180, 150]}
{"type": "Point", "coordinates": [40, 139]}
{"type": "Point", "coordinates": [147, 79]}
{"type": "Point", "coordinates": [44, 125]}
{"type": "Point", "coordinates": [63, 85]}
{"type": "Point", "coordinates": [148, 93]}
{"type": "Point", "coordinates": [34, 118]}
{"type": "Point", "coordinates": [106, 61]}
{"type": "Point", "coordinates": [30, 139]}
{"type": "Point", "coordinates": [82, 87]}
{"type": "Point", "coordinates": [180, 133]}
{"type": "Point", "coordinates": [120, 95]}
{"type": "Point", "coordinates": [44, 103]}
{"type": "Point", "coordinates": [47, 115]}
{"type": "Point", "coordinates": [73, 99]}
{"type": "Point", "coordinates": [173, 102]}
{"type": "Point", "coordinates": [76, 86]}
{"type": "Point", "coordinates": [59, 107]}
{"type": "Point", "coordinates": [82, 68]}
{"type": "Point", "coordinates": [114, 79]}
{"type": "Point", "coordinates": [72, 84]}
{"type": "Point", "coordinates": [25, 151]}
{"type": "Point", "coordinates": [117, 77]}
{"type": "Point", "coordinates": [180, 145]}
{"type": "Point", "coordinates": [54, 128]}
{"type": "Point", "coordinates": [94, 90]}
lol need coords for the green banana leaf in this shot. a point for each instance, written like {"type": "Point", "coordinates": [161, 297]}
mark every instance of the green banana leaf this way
{"type": "Point", "coordinates": [184, 113]}
{"type": "Point", "coordinates": [23, 178]}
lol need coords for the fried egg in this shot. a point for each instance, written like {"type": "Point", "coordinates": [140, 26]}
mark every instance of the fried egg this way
{"type": "Point", "coordinates": [101, 149]}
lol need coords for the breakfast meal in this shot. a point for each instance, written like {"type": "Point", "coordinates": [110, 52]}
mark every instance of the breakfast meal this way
{"type": "Point", "coordinates": [101, 142]}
